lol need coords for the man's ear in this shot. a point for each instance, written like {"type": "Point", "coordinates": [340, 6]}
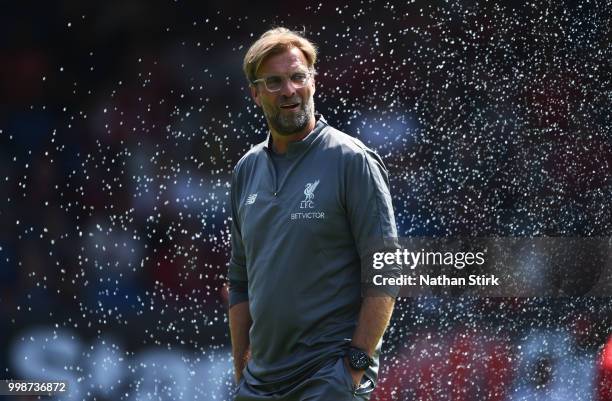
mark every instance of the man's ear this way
{"type": "Point", "coordinates": [255, 95]}
{"type": "Point", "coordinates": [312, 84]}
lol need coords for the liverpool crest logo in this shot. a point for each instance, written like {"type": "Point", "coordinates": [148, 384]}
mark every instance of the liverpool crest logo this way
{"type": "Point", "coordinates": [308, 203]}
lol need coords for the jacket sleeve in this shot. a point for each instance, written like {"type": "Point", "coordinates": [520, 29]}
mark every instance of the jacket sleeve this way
{"type": "Point", "coordinates": [370, 212]}
{"type": "Point", "coordinates": [237, 274]}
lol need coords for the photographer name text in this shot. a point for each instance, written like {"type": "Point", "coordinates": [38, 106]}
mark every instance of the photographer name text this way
{"type": "Point", "coordinates": [441, 280]}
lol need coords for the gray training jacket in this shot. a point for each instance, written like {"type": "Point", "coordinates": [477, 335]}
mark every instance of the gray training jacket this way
{"type": "Point", "coordinates": [296, 249]}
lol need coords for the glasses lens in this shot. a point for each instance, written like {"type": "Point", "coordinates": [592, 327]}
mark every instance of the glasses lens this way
{"type": "Point", "coordinates": [299, 79]}
{"type": "Point", "coordinates": [273, 83]}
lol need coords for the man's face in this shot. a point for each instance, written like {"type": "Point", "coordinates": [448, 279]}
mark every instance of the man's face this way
{"type": "Point", "coordinates": [288, 110]}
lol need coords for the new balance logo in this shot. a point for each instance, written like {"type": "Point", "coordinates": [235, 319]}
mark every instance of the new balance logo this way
{"type": "Point", "coordinates": [251, 199]}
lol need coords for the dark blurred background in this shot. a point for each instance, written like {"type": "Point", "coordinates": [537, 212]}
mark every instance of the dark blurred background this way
{"type": "Point", "coordinates": [120, 123]}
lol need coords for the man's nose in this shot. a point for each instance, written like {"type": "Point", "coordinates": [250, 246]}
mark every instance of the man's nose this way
{"type": "Point", "coordinates": [287, 88]}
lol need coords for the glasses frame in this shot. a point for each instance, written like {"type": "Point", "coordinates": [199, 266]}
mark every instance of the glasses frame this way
{"type": "Point", "coordinates": [309, 75]}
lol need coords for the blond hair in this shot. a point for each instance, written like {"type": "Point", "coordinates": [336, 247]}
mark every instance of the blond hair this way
{"type": "Point", "coordinates": [275, 41]}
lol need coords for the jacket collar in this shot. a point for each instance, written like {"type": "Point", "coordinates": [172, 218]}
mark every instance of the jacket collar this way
{"type": "Point", "coordinates": [298, 147]}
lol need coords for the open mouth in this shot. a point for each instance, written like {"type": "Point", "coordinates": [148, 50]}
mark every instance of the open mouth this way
{"type": "Point", "coordinates": [290, 106]}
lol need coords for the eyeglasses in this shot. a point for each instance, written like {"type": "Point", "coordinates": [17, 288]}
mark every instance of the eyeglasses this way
{"type": "Point", "coordinates": [274, 83]}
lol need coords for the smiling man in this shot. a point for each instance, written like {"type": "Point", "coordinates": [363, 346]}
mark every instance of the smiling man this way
{"type": "Point", "coordinates": [306, 204]}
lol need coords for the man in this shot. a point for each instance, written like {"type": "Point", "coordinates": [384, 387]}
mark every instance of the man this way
{"type": "Point", "coordinates": [306, 206]}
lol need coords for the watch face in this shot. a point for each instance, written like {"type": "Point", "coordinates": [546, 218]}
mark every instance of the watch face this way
{"type": "Point", "coordinates": [358, 359]}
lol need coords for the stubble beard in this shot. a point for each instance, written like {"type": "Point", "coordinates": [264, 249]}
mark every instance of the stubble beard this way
{"type": "Point", "coordinates": [290, 123]}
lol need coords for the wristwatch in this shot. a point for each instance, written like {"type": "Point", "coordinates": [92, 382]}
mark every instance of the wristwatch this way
{"type": "Point", "coordinates": [358, 358]}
